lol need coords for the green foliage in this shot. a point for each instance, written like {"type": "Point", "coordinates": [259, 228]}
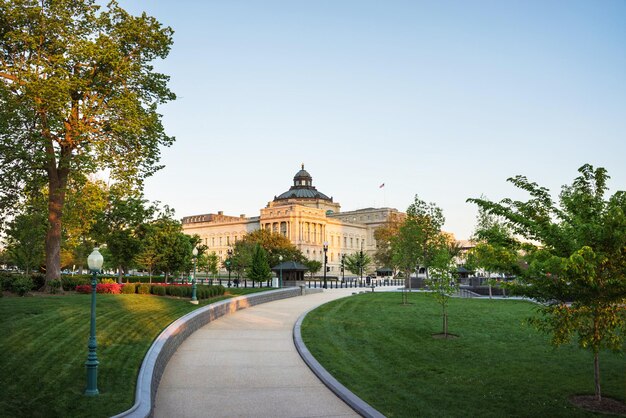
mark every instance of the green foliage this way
{"type": "Point", "coordinates": [25, 238]}
{"type": "Point", "coordinates": [178, 291]}
{"type": "Point", "coordinates": [21, 285]}
{"type": "Point", "coordinates": [357, 263]}
{"type": "Point", "coordinates": [158, 290]}
{"type": "Point", "coordinates": [79, 94]}
{"type": "Point", "coordinates": [419, 237]}
{"type": "Point", "coordinates": [313, 265]}
{"type": "Point", "coordinates": [442, 281]}
{"type": "Point", "coordinates": [143, 289]}
{"type": "Point", "coordinates": [274, 245]}
{"type": "Point", "coordinates": [259, 270]}
{"type": "Point", "coordinates": [578, 271]}
{"type": "Point", "coordinates": [70, 282]}
{"type": "Point", "coordinates": [129, 288]}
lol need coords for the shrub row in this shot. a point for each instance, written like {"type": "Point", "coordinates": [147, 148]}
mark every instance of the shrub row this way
{"type": "Point", "coordinates": [183, 291]}
{"type": "Point", "coordinates": [112, 288]}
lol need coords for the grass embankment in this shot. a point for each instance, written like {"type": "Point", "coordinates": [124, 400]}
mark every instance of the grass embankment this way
{"type": "Point", "coordinates": [43, 346]}
{"type": "Point", "coordinates": [385, 353]}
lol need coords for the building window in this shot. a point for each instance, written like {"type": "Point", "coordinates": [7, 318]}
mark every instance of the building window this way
{"type": "Point", "coordinates": [351, 242]}
{"type": "Point", "coordinates": [345, 242]}
{"type": "Point", "coordinates": [227, 240]}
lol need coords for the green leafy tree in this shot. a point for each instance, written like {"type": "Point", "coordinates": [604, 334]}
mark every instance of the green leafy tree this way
{"type": "Point", "coordinates": [313, 266]}
{"type": "Point", "coordinates": [25, 237]}
{"type": "Point", "coordinates": [578, 270]}
{"type": "Point", "coordinates": [259, 270]}
{"type": "Point", "coordinates": [357, 263]}
{"type": "Point", "coordinates": [78, 95]}
{"type": "Point", "coordinates": [119, 227]}
{"type": "Point", "coordinates": [148, 258]}
{"type": "Point", "coordinates": [383, 236]}
{"type": "Point", "coordinates": [174, 247]}
{"type": "Point", "coordinates": [274, 245]}
{"type": "Point", "coordinates": [418, 239]}
{"type": "Point", "coordinates": [85, 204]}
{"type": "Point", "coordinates": [442, 281]}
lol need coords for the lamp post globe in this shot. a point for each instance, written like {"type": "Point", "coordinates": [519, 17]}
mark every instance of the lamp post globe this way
{"type": "Point", "coordinates": [194, 298]}
{"type": "Point", "coordinates": [94, 261]}
{"type": "Point", "coordinates": [280, 265]}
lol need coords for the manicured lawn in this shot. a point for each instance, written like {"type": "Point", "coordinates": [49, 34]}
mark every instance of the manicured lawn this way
{"type": "Point", "coordinates": [43, 347]}
{"type": "Point", "coordinates": [384, 352]}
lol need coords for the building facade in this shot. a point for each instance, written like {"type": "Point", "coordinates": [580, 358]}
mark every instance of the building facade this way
{"type": "Point", "coordinates": [303, 214]}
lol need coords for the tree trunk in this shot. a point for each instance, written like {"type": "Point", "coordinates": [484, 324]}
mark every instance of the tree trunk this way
{"type": "Point", "coordinates": [596, 375]}
{"type": "Point", "coordinates": [57, 181]}
{"type": "Point", "coordinates": [445, 323]}
{"type": "Point", "coordinates": [120, 274]}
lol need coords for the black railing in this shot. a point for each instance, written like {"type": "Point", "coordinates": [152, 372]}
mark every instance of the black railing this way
{"type": "Point", "coordinates": [354, 283]}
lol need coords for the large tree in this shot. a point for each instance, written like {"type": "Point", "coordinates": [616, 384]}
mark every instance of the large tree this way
{"type": "Point", "coordinates": [77, 94]}
{"type": "Point", "coordinates": [577, 270]}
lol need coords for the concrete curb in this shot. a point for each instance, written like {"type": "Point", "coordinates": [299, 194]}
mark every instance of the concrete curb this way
{"type": "Point", "coordinates": [166, 344]}
{"type": "Point", "coordinates": [359, 405]}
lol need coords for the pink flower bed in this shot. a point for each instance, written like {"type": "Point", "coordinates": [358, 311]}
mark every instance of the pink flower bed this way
{"type": "Point", "coordinates": [113, 288]}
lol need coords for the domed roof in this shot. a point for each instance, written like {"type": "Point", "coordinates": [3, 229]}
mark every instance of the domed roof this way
{"type": "Point", "coordinates": [302, 188]}
{"type": "Point", "coordinates": [299, 193]}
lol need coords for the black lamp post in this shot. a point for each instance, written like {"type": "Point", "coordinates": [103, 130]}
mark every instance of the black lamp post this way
{"type": "Point", "coordinates": [94, 261]}
{"type": "Point", "coordinates": [280, 265]}
{"type": "Point", "coordinates": [228, 267]}
{"type": "Point", "coordinates": [343, 260]}
{"type": "Point", "coordinates": [194, 299]}
{"type": "Point", "coordinates": [361, 261]}
{"type": "Point", "coordinates": [325, 261]}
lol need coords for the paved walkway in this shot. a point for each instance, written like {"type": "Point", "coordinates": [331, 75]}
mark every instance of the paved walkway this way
{"type": "Point", "coordinates": [245, 365]}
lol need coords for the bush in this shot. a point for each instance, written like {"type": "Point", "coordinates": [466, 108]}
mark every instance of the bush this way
{"type": "Point", "coordinates": [178, 291]}
{"type": "Point", "coordinates": [39, 280]}
{"type": "Point", "coordinates": [143, 289]}
{"type": "Point", "coordinates": [112, 288]}
{"type": "Point", "coordinates": [107, 280]}
{"type": "Point", "coordinates": [22, 285]}
{"type": "Point", "coordinates": [5, 280]}
{"type": "Point", "coordinates": [158, 290]}
{"type": "Point", "coordinates": [55, 286]}
{"type": "Point", "coordinates": [129, 288]}
{"type": "Point", "coordinates": [70, 282]}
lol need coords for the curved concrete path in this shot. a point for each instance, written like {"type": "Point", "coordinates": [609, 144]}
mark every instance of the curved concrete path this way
{"type": "Point", "coordinates": [246, 365]}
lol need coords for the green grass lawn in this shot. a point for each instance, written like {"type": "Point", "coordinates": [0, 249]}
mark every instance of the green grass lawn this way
{"type": "Point", "coordinates": [498, 367]}
{"type": "Point", "coordinates": [43, 347]}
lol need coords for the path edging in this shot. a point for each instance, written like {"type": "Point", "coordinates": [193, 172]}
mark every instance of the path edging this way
{"type": "Point", "coordinates": [359, 405]}
{"type": "Point", "coordinates": [168, 341]}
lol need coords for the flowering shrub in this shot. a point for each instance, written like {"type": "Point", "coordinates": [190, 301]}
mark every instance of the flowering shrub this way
{"type": "Point", "coordinates": [112, 288]}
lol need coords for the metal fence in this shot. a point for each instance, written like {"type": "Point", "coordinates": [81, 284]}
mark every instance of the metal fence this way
{"type": "Point", "coordinates": [312, 284]}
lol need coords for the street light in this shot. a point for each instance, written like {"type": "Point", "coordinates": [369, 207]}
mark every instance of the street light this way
{"type": "Point", "coordinates": [280, 265]}
{"type": "Point", "coordinates": [361, 261]}
{"type": "Point", "coordinates": [94, 261]}
{"type": "Point", "coordinates": [325, 261]}
{"type": "Point", "coordinates": [228, 261]}
{"type": "Point", "coordinates": [194, 299]}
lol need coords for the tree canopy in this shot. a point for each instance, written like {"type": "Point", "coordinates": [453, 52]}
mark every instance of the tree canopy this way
{"type": "Point", "coordinates": [576, 255]}
{"type": "Point", "coordinates": [77, 94]}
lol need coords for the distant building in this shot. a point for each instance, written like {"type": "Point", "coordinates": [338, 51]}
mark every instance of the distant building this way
{"type": "Point", "coordinates": [304, 215]}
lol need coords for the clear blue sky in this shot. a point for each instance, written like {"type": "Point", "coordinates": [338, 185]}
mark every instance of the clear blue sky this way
{"type": "Point", "coordinates": [443, 99]}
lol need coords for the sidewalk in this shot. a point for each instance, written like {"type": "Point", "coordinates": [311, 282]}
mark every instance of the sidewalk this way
{"type": "Point", "coordinates": [245, 365]}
